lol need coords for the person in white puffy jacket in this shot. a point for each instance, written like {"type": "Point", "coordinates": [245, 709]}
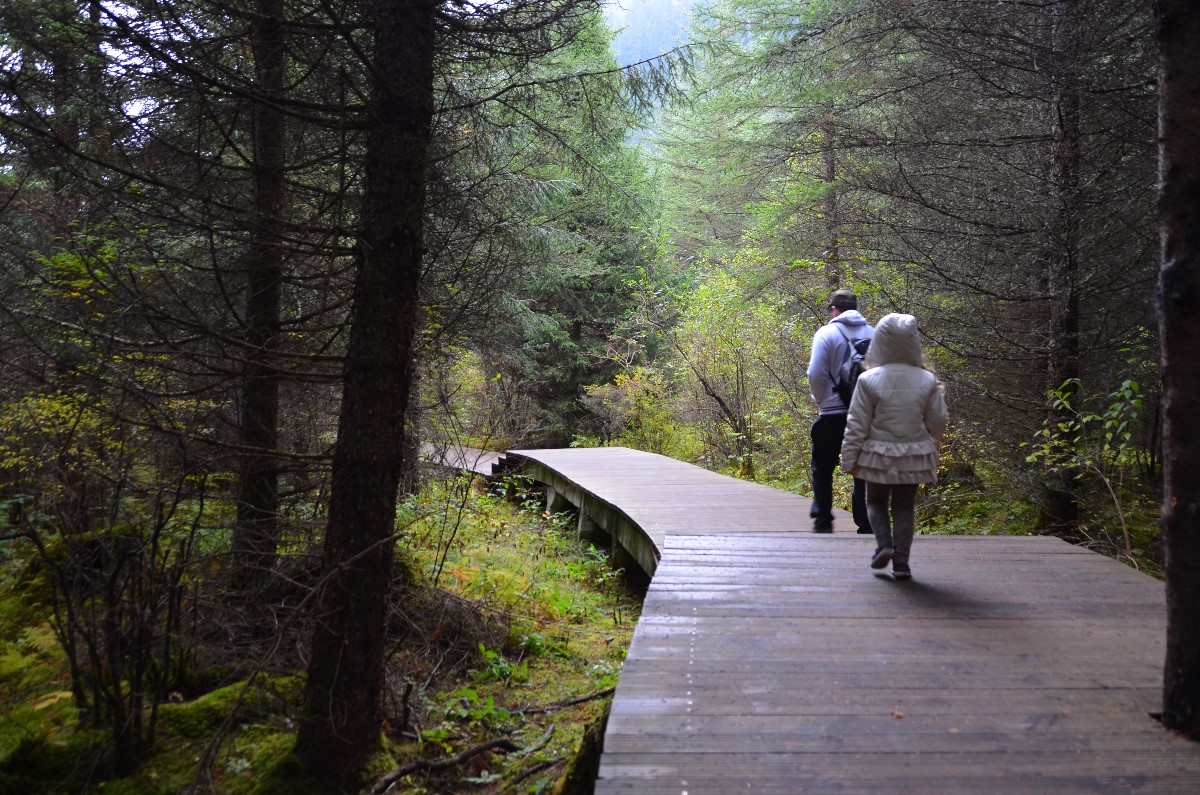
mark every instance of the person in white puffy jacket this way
{"type": "Point", "coordinates": [893, 433]}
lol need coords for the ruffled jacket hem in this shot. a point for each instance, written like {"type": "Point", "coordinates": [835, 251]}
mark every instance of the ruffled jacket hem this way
{"type": "Point", "coordinates": [898, 470]}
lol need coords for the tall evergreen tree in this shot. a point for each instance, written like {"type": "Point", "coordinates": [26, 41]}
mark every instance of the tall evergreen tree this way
{"type": "Point", "coordinates": [343, 691]}
{"type": "Point", "coordinates": [983, 165]}
{"type": "Point", "coordinates": [256, 532]}
{"type": "Point", "coordinates": [532, 266]}
{"type": "Point", "coordinates": [1178, 288]}
{"type": "Point", "coordinates": [1017, 189]}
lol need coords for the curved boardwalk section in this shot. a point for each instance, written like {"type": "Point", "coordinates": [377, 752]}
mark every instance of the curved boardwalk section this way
{"type": "Point", "coordinates": [641, 498]}
{"type": "Point", "coordinates": [466, 459]}
{"type": "Point", "coordinates": [775, 661]}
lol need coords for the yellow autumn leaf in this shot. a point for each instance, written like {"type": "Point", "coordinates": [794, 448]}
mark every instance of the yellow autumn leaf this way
{"type": "Point", "coordinates": [50, 699]}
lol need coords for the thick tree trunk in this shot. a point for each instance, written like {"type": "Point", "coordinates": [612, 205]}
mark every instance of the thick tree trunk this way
{"type": "Point", "coordinates": [256, 532]}
{"type": "Point", "coordinates": [1179, 331]}
{"type": "Point", "coordinates": [340, 727]}
{"type": "Point", "coordinates": [1061, 502]}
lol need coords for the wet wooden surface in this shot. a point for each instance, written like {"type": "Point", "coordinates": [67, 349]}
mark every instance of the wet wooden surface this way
{"type": "Point", "coordinates": [468, 459]}
{"type": "Point", "coordinates": [664, 496]}
{"type": "Point", "coordinates": [768, 659]}
{"type": "Point", "coordinates": [784, 664]}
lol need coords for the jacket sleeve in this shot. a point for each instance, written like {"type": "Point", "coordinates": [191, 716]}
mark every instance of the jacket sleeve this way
{"type": "Point", "coordinates": [858, 425]}
{"type": "Point", "coordinates": [936, 412]}
{"type": "Point", "coordinates": [820, 384]}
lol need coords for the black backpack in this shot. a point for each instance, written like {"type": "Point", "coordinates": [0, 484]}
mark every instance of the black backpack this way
{"type": "Point", "coordinates": [852, 365]}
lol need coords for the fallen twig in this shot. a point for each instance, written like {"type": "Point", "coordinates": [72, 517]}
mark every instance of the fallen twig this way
{"type": "Point", "coordinates": [382, 785]}
{"type": "Point", "coordinates": [564, 704]}
{"type": "Point", "coordinates": [539, 744]}
{"type": "Point", "coordinates": [538, 768]}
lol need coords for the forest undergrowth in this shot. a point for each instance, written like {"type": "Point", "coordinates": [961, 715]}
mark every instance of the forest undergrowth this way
{"type": "Point", "coordinates": [507, 636]}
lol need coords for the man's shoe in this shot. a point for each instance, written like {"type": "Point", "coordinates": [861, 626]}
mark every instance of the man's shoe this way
{"type": "Point", "coordinates": [882, 556]}
{"type": "Point", "coordinates": [866, 531]}
{"type": "Point", "coordinates": [822, 526]}
{"type": "Point", "coordinates": [901, 571]}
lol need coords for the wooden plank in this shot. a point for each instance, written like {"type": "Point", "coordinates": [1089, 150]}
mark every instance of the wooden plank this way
{"type": "Point", "coordinates": [773, 660]}
{"type": "Point", "coordinates": [467, 459]}
{"type": "Point", "coordinates": [783, 663]}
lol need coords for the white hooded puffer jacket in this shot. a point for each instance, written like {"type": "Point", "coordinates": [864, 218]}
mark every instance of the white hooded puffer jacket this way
{"type": "Point", "coordinates": [898, 413]}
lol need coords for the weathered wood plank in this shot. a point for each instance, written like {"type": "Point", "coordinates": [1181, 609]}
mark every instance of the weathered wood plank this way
{"type": "Point", "coordinates": [467, 459]}
{"type": "Point", "coordinates": [784, 664]}
{"type": "Point", "coordinates": [772, 660]}
{"type": "Point", "coordinates": [642, 498]}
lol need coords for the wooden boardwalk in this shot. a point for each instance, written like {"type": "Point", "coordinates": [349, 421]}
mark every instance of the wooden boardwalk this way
{"type": "Point", "coordinates": [768, 659]}
{"type": "Point", "coordinates": [641, 498]}
{"type": "Point", "coordinates": [467, 459]}
{"type": "Point", "coordinates": [784, 665]}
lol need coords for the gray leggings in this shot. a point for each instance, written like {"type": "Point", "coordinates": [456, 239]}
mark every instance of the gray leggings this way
{"type": "Point", "coordinates": [896, 532]}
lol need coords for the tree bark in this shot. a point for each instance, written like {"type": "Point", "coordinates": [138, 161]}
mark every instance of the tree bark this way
{"type": "Point", "coordinates": [1061, 502]}
{"type": "Point", "coordinates": [1179, 332]}
{"type": "Point", "coordinates": [340, 727]}
{"type": "Point", "coordinates": [256, 531]}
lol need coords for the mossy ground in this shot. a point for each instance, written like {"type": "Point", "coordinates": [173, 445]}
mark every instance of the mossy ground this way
{"type": "Point", "coordinates": [512, 619]}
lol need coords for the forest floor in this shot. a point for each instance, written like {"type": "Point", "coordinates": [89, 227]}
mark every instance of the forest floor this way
{"type": "Point", "coordinates": [505, 653]}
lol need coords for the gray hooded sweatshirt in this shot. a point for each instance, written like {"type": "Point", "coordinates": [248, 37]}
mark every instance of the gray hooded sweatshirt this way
{"type": "Point", "coordinates": [829, 347]}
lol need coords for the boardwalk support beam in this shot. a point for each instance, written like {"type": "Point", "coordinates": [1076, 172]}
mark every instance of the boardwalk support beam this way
{"type": "Point", "coordinates": [596, 517]}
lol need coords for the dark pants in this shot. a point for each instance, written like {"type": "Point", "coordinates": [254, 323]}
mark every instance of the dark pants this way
{"type": "Point", "coordinates": [895, 523]}
{"type": "Point", "coordinates": [826, 435]}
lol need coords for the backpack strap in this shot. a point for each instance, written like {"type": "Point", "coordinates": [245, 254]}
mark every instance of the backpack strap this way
{"type": "Point", "coordinates": [846, 334]}
{"type": "Point", "coordinates": [837, 373]}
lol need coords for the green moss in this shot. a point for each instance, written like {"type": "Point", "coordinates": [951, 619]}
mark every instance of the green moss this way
{"type": "Point", "coordinates": [582, 769]}
{"type": "Point", "coordinates": [565, 626]}
{"type": "Point", "coordinates": [202, 716]}
{"type": "Point", "coordinates": [38, 708]}
{"type": "Point", "coordinates": [58, 761]}
{"type": "Point", "coordinates": [280, 777]}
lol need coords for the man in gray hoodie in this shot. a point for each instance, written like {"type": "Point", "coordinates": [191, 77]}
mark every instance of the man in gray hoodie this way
{"type": "Point", "coordinates": [829, 347]}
